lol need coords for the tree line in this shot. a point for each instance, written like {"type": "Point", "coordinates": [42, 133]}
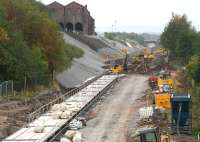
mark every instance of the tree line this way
{"type": "Point", "coordinates": [183, 42]}
{"type": "Point", "coordinates": [123, 36]}
{"type": "Point", "coordinates": [30, 41]}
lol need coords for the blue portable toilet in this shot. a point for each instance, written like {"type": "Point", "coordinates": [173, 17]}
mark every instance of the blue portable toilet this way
{"type": "Point", "coordinates": [181, 113]}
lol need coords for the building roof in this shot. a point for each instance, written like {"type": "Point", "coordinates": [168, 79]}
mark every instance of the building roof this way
{"type": "Point", "coordinates": [55, 2]}
{"type": "Point", "coordinates": [73, 2]}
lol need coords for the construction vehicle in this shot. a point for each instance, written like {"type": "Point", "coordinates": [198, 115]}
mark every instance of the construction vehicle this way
{"type": "Point", "coordinates": [148, 54]}
{"type": "Point", "coordinates": [138, 59]}
{"type": "Point", "coordinates": [117, 68]}
{"type": "Point", "coordinates": [150, 135]}
{"type": "Point", "coordinates": [161, 51]}
{"type": "Point", "coordinates": [181, 114]}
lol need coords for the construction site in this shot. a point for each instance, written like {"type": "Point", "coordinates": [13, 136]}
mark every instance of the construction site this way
{"type": "Point", "coordinates": [109, 99]}
{"type": "Point", "coordinates": [118, 91]}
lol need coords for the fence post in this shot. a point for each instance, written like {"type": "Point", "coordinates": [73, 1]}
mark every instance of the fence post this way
{"type": "Point", "coordinates": [12, 87]}
{"type": "Point", "coordinates": [24, 83]}
{"type": "Point", "coordinates": [0, 90]}
{"type": "Point", "coordinates": [53, 78]}
{"type": "Point", "coordinates": [6, 89]}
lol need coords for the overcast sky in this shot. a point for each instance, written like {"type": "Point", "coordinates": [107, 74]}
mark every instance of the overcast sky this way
{"type": "Point", "coordinates": [137, 15]}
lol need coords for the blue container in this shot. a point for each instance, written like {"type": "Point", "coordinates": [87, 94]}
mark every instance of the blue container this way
{"type": "Point", "coordinates": [181, 113]}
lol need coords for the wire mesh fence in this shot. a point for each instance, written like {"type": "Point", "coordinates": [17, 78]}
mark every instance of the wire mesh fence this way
{"type": "Point", "coordinates": [33, 82]}
{"type": "Point", "coordinates": [6, 88]}
{"type": "Point", "coordinates": [9, 88]}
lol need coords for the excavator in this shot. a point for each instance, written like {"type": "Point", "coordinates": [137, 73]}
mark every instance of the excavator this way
{"type": "Point", "coordinates": [161, 51]}
{"type": "Point", "coordinates": [118, 69]}
{"type": "Point", "coordinates": [148, 54]}
{"type": "Point", "coordinates": [150, 135]}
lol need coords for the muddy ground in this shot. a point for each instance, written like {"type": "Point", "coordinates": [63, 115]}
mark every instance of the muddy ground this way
{"type": "Point", "coordinates": [13, 114]}
{"type": "Point", "coordinates": [114, 119]}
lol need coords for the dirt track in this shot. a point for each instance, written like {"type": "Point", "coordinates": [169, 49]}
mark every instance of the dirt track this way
{"type": "Point", "coordinates": [117, 112]}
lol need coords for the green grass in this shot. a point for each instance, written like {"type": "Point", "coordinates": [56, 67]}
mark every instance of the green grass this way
{"type": "Point", "coordinates": [29, 93]}
{"type": "Point", "coordinates": [74, 51]}
{"type": "Point", "coordinates": [196, 113]}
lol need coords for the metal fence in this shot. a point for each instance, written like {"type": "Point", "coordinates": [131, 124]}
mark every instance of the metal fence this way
{"type": "Point", "coordinates": [32, 82]}
{"type": "Point", "coordinates": [9, 88]}
{"type": "Point", "coordinates": [6, 88]}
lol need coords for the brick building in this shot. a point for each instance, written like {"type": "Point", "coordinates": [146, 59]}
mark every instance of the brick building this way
{"type": "Point", "coordinates": [73, 17]}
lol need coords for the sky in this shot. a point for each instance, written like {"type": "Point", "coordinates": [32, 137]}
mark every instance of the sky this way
{"type": "Point", "coordinates": [140, 16]}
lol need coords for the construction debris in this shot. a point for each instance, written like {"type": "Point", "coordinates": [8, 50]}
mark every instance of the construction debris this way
{"type": "Point", "coordinates": [72, 136]}
{"type": "Point", "coordinates": [75, 124]}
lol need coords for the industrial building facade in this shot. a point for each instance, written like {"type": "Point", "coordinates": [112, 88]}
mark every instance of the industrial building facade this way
{"type": "Point", "coordinates": [73, 17]}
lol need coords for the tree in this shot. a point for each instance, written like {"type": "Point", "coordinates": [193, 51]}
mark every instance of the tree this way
{"type": "Point", "coordinates": [3, 36]}
{"type": "Point", "coordinates": [123, 36]}
{"type": "Point", "coordinates": [30, 41]}
{"type": "Point", "coordinates": [184, 48]}
{"type": "Point", "coordinates": [193, 68]}
{"type": "Point", "coordinates": [195, 37]}
{"type": "Point", "coordinates": [176, 32]}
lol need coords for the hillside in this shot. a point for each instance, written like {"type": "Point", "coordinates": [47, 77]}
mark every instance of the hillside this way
{"type": "Point", "coordinates": [83, 68]}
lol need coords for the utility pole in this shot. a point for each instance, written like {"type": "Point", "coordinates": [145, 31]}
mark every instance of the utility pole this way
{"type": "Point", "coordinates": [115, 23]}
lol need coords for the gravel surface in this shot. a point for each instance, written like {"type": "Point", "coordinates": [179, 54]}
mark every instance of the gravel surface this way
{"type": "Point", "coordinates": [119, 110]}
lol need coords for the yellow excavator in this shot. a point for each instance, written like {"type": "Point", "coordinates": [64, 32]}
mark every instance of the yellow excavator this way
{"type": "Point", "coordinates": [117, 68]}
{"type": "Point", "coordinates": [148, 54]}
{"type": "Point", "coordinates": [161, 51]}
